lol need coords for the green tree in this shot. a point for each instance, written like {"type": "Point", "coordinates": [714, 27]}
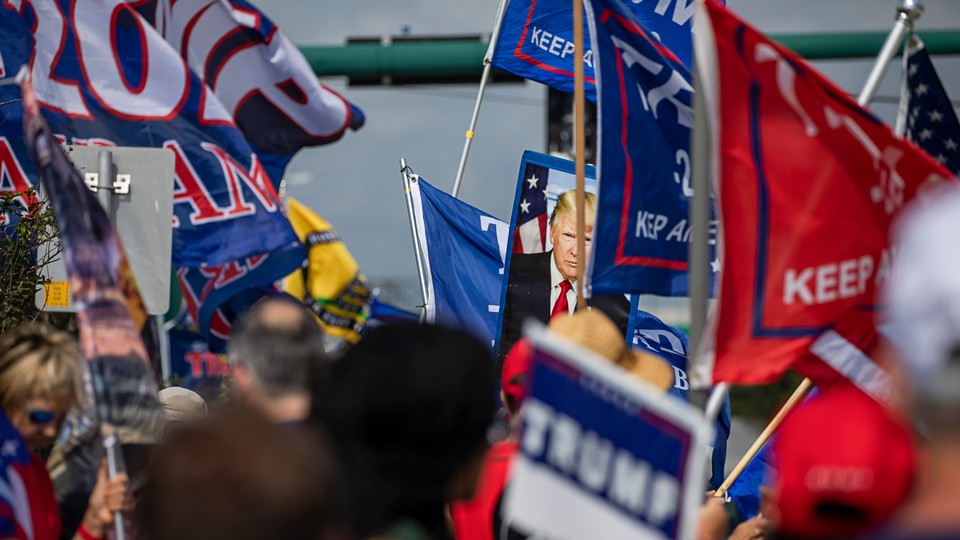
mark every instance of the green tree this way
{"type": "Point", "coordinates": [28, 243]}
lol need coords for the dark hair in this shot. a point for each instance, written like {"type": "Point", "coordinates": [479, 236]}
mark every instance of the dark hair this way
{"type": "Point", "coordinates": [282, 354]}
{"type": "Point", "coordinates": [238, 476]}
{"type": "Point", "coordinates": [407, 409]}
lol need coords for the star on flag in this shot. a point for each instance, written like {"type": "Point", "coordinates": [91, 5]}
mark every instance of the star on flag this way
{"type": "Point", "coordinates": [933, 124]}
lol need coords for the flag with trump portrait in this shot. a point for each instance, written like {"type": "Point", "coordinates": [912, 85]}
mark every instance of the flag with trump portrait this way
{"type": "Point", "coordinates": [536, 39]}
{"type": "Point", "coordinates": [645, 119]}
{"type": "Point", "coordinates": [806, 230]}
{"type": "Point", "coordinates": [542, 179]}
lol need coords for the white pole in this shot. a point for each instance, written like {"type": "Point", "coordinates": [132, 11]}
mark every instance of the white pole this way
{"type": "Point", "coordinates": [698, 269]}
{"type": "Point", "coordinates": [404, 173]}
{"type": "Point", "coordinates": [908, 12]}
{"type": "Point", "coordinates": [903, 109]}
{"type": "Point", "coordinates": [484, 78]}
{"type": "Point", "coordinates": [715, 402]}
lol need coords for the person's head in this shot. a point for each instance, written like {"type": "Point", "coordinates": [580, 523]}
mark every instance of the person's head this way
{"type": "Point", "coordinates": [923, 299]}
{"type": "Point", "coordinates": [238, 476]}
{"type": "Point", "coordinates": [182, 406]}
{"type": "Point", "coordinates": [844, 465]}
{"type": "Point", "coordinates": [563, 231]}
{"type": "Point", "coordinates": [275, 350]}
{"type": "Point", "coordinates": [409, 407]}
{"type": "Point", "coordinates": [41, 378]}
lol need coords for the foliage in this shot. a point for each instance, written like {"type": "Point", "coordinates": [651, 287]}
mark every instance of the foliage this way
{"type": "Point", "coordinates": [28, 243]}
{"type": "Point", "coordinates": [761, 403]}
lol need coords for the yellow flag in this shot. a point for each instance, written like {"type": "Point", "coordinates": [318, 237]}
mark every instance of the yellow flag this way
{"type": "Point", "coordinates": [329, 283]}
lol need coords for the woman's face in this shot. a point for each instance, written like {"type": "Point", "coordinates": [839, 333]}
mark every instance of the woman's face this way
{"type": "Point", "coordinates": [39, 420]}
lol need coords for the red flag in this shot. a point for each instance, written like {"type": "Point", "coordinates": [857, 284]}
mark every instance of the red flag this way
{"type": "Point", "coordinates": [808, 183]}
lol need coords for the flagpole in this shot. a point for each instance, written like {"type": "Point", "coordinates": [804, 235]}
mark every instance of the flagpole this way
{"type": "Point", "coordinates": [764, 437]}
{"type": "Point", "coordinates": [404, 173]}
{"type": "Point", "coordinates": [903, 109]}
{"type": "Point", "coordinates": [484, 78]}
{"type": "Point", "coordinates": [907, 13]}
{"type": "Point", "coordinates": [698, 268]}
{"type": "Point", "coordinates": [579, 146]}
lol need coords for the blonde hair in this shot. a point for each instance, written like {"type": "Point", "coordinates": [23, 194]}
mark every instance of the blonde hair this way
{"type": "Point", "coordinates": [567, 206]}
{"type": "Point", "coordinates": [38, 361]}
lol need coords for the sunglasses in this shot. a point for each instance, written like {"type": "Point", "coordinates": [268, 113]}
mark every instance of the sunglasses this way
{"type": "Point", "coordinates": [41, 417]}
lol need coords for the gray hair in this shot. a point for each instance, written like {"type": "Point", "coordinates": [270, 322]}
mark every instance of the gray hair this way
{"type": "Point", "coordinates": [281, 344]}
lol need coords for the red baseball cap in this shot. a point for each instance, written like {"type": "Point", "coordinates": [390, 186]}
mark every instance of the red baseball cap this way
{"type": "Point", "coordinates": [517, 362]}
{"type": "Point", "coordinates": [844, 465]}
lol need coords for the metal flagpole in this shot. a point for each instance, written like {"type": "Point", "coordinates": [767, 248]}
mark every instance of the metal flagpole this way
{"type": "Point", "coordinates": [903, 109]}
{"type": "Point", "coordinates": [404, 173]}
{"type": "Point", "coordinates": [908, 12]}
{"type": "Point", "coordinates": [579, 147]}
{"type": "Point", "coordinates": [105, 179]}
{"type": "Point", "coordinates": [484, 78]}
{"type": "Point", "coordinates": [698, 269]}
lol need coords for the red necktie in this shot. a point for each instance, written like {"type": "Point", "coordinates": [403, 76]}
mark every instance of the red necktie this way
{"type": "Point", "coordinates": [562, 306]}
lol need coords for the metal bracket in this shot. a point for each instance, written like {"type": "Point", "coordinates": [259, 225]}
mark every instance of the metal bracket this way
{"type": "Point", "coordinates": [121, 185]}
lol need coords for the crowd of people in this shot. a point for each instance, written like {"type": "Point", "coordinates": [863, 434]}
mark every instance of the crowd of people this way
{"type": "Point", "coordinates": [405, 436]}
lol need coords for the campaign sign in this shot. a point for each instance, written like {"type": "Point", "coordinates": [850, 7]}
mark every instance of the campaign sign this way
{"type": "Point", "coordinates": [542, 180]}
{"type": "Point", "coordinates": [603, 455]}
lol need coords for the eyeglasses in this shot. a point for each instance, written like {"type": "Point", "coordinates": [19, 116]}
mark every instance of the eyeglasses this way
{"type": "Point", "coordinates": [41, 417]}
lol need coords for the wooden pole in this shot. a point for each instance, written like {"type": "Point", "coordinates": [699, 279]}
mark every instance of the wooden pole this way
{"type": "Point", "coordinates": [579, 146]}
{"type": "Point", "coordinates": [764, 437]}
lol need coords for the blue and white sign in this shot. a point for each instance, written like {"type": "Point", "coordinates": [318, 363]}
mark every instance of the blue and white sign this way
{"type": "Point", "coordinates": [645, 119]}
{"type": "Point", "coordinates": [536, 38]}
{"type": "Point", "coordinates": [464, 251]}
{"type": "Point", "coordinates": [603, 455]}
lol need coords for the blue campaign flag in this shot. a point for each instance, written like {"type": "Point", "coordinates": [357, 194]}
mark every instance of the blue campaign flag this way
{"type": "Point", "coordinates": [536, 38]}
{"type": "Point", "coordinates": [194, 363]}
{"type": "Point", "coordinates": [645, 119]}
{"type": "Point", "coordinates": [105, 77]}
{"type": "Point", "coordinates": [384, 313]}
{"type": "Point", "coordinates": [931, 123]}
{"type": "Point", "coordinates": [464, 251]}
{"type": "Point", "coordinates": [648, 333]}
{"type": "Point", "coordinates": [745, 490]}
{"type": "Point", "coordinates": [602, 455]}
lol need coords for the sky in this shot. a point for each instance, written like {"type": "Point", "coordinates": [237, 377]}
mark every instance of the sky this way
{"type": "Point", "coordinates": [355, 183]}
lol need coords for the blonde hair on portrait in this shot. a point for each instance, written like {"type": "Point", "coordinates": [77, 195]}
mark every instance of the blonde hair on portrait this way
{"type": "Point", "coordinates": [38, 361]}
{"type": "Point", "coordinates": [567, 206]}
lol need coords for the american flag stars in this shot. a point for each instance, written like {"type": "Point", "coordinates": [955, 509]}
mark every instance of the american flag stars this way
{"type": "Point", "coordinates": [932, 123]}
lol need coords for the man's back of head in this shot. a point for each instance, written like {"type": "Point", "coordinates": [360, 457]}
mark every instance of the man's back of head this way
{"type": "Point", "coordinates": [276, 350]}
